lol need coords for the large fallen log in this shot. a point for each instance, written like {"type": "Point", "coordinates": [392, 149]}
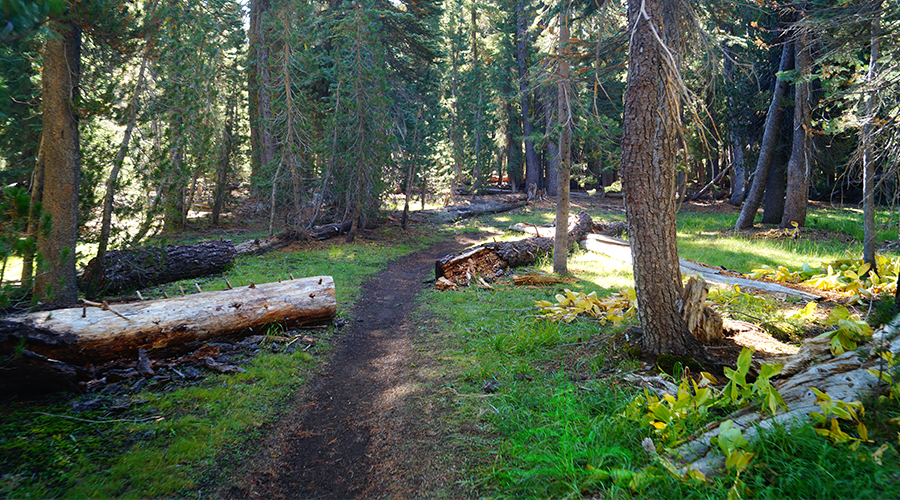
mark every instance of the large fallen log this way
{"type": "Point", "coordinates": [95, 334]}
{"type": "Point", "coordinates": [126, 270]}
{"type": "Point", "coordinates": [491, 258]}
{"type": "Point", "coordinates": [329, 231]}
{"type": "Point", "coordinates": [621, 251]}
{"type": "Point", "coordinates": [480, 206]}
{"type": "Point", "coordinates": [257, 247]}
{"type": "Point", "coordinates": [845, 377]}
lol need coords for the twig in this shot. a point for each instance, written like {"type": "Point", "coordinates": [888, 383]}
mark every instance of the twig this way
{"type": "Point", "coordinates": [146, 419]}
{"type": "Point", "coordinates": [103, 306]}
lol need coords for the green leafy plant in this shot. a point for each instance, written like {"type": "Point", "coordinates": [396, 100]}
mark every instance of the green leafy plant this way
{"type": "Point", "coordinates": [616, 308]}
{"type": "Point", "coordinates": [733, 445]}
{"type": "Point", "coordinates": [833, 411]}
{"type": "Point", "coordinates": [848, 275]}
{"type": "Point", "coordinates": [669, 415]}
{"type": "Point", "coordinates": [850, 331]}
{"type": "Point", "coordinates": [737, 391]}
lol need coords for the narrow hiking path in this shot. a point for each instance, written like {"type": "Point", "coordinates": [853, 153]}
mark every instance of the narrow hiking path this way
{"type": "Point", "coordinates": [356, 430]}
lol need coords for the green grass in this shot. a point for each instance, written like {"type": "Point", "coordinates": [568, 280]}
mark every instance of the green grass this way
{"type": "Point", "coordinates": [556, 423]}
{"type": "Point", "coordinates": [175, 438]}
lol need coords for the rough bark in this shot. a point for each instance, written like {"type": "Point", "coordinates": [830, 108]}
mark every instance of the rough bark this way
{"type": "Point", "coordinates": [649, 150]}
{"type": "Point", "coordinates": [767, 148]}
{"type": "Point", "coordinates": [564, 116]}
{"type": "Point", "coordinates": [133, 269]}
{"type": "Point", "coordinates": [532, 169]}
{"type": "Point", "coordinates": [257, 247]}
{"type": "Point", "coordinates": [492, 258]}
{"type": "Point", "coordinates": [797, 196]}
{"type": "Point", "coordinates": [776, 187]}
{"type": "Point", "coordinates": [62, 164]}
{"type": "Point", "coordinates": [869, 229]}
{"type": "Point", "coordinates": [93, 334]}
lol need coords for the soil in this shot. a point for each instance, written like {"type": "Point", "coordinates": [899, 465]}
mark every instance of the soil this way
{"type": "Point", "coordinates": [347, 434]}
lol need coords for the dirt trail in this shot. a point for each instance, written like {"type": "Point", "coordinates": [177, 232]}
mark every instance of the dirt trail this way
{"type": "Point", "coordinates": [350, 430]}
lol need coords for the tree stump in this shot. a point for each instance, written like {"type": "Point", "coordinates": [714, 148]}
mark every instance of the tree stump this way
{"type": "Point", "coordinates": [704, 322]}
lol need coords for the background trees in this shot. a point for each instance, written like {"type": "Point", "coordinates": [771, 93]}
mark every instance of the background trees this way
{"type": "Point", "coordinates": [320, 111]}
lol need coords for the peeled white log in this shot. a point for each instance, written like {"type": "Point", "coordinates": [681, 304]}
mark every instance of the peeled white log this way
{"type": "Point", "coordinates": [92, 334]}
{"type": "Point", "coordinates": [621, 251]}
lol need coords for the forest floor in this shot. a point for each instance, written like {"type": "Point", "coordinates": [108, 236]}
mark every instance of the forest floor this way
{"type": "Point", "coordinates": [363, 428]}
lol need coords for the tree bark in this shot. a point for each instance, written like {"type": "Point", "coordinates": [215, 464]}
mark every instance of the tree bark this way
{"type": "Point", "coordinates": [776, 187]}
{"type": "Point", "coordinates": [96, 334]}
{"type": "Point", "coordinates": [532, 169]}
{"type": "Point", "coordinates": [564, 115]}
{"type": "Point", "coordinates": [649, 149]}
{"type": "Point", "coordinates": [797, 196]}
{"type": "Point", "coordinates": [133, 269]}
{"type": "Point", "coordinates": [870, 232]}
{"type": "Point", "coordinates": [767, 148]}
{"type": "Point", "coordinates": [61, 156]}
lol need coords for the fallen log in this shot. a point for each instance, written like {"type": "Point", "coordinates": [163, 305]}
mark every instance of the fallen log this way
{"type": "Point", "coordinates": [621, 251]}
{"type": "Point", "coordinates": [257, 247]}
{"type": "Point", "coordinates": [95, 334]}
{"type": "Point", "coordinates": [846, 377]}
{"type": "Point", "coordinates": [614, 229]}
{"type": "Point", "coordinates": [491, 258]}
{"type": "Point", "coordinates": [126, 270]}
{"type": "Point", "coordinates": [329, 231]}
{"type": "Point", "coordinates": [453, 213]}
{"type": "Point", "coordinates": [541, 279]}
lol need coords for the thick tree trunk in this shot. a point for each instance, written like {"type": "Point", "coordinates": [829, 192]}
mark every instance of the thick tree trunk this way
{"type": "Point", "coordinates": [649, 148]}
{"type": "Point", "coordinates": [491, 258]}
{"type": "Point", "coordinates": [133, 269]}
{"type": "Point", "coordinates": [564, 116]}
{"type": "Point", "coordinates": [95, 334]}
{"type": "Point", "coordinates": [61, 156]}
{"type": "Point", "coordinates": [797, 195]}
{"type": "Point", "coordinates": [532, 169]}
{"type": "Point", "coordinates": [767, 149]}
{"type": "Point", "coordinates": [776, 187]}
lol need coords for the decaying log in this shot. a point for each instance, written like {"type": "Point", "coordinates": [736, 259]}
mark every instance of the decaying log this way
{"type": "Point", "coordinates": [604, 228]}
{"type": "Point", "coordinates": [91, 334]}
{"type": "Point", "coordinates": [329, 231]}
{"type": "Point", "coordinates": [478, 206]}
{"type": "Point", "coordinates": [845, 377]}
{"type": "Point", "coordinates": [141, 267]}
{"type": "Point", "coordinates": [621, 251]}
{"type": "Point", "coordinates": [541, 279]}
{"type": "Point", "coordinates": [257, 247]}
{"type": "Point", "coordinates": [491, 258]}
{"type": "Point", "coordinates": [704, 322]}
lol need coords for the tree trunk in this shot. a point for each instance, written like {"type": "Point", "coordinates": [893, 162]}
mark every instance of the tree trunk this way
{"type": "Point", "coordinates": [551, 156]}
{"type": "Point", "coordinates": [226, 149]}
{"type": "Point", "coordinates": [797, 196]}
{"type": "Point", "coordinates": [870, 232]}
{"type": "Point", "coordinates": [776, 187]}
{"type": "Point", "coordinates": [532, 169]}
{"type": "Point", "coordinates": [264, 145]}
{"type": "Point", "coordinates": [61, 156]}
{"type": "Point", "coordinates": [564, 114]}
{"type": "Point", "coordinates": [133, 269]}
{"type": "Point", "coordinates": [767, 148]}
{"type": "Point", "coordinates": [649, 149]}
{"type": "Point", "coordinates": [97, 334]}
